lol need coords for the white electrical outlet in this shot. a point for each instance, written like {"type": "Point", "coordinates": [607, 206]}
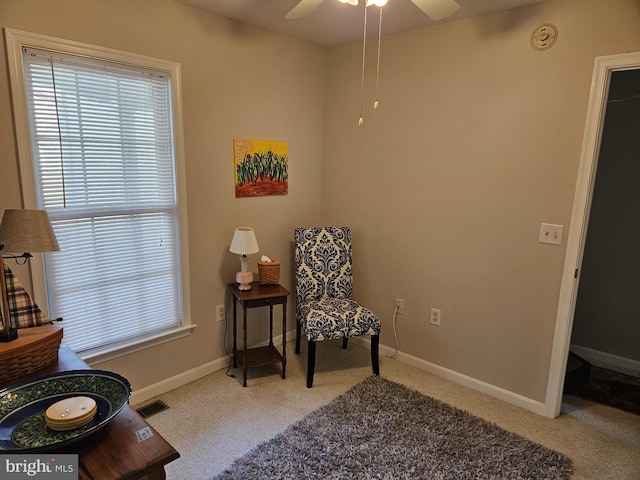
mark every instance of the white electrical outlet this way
{"type": "Point", "coordinates": [399, 306]}
{"type": "Point", "coordinates": [220, 313]}
{"type": "Point", "coordinates": [435, 317]}
{"type": "Point", "coordinates": [551, 234]}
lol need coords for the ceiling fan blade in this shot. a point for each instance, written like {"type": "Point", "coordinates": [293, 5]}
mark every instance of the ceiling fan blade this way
{"type": "Point", "coordinates": [437, 9]}
{"type": "Point", "coordinates": [302, 9]}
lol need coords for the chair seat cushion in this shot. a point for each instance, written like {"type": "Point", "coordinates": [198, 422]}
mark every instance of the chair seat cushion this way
{"type": "Point", "coordinates": [331, 318]}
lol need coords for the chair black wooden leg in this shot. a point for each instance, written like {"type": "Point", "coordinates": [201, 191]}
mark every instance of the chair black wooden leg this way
{"type": "Point", "coordinates": [298, 333]}
{"type": "Point", "coordinates": [375, 363]}
{"type": "Point", "coordinates": [345, 341]}
{"type": "Point", "coordinates": [311, 362]}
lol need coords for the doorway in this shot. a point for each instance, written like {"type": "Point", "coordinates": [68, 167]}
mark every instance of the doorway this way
{"type": "Point", "coordinates": [606, 331]}
{"type": "Point", "coordinates": [605, 74]}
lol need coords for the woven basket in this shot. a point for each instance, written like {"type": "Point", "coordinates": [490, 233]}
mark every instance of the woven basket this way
{"type": "Point", "coordinates": [33, 349]}
{"type": "Point", "coordinates": [269, 272]}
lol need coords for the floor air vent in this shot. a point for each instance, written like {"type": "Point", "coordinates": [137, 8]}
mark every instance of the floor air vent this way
{"type": "Point", "coordinates": [151, 409]}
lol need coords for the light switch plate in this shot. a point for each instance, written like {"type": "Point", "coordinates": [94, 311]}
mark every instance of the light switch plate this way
{"type": "Point", "coordinates": [551, 233]}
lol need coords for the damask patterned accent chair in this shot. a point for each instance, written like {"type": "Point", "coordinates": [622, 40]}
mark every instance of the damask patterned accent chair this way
{"type": "Point", "coordinates": [324, 279]}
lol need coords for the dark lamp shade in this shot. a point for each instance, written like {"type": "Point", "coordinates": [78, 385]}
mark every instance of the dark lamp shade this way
{"type": "Point", "coordinates": [27, 231]}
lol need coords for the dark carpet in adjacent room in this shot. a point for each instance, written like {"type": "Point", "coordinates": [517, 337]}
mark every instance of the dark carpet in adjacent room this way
{"type": "Point", "coordinates": [380, 429]}
{"type": "Point", "coordinates": [612, 388]}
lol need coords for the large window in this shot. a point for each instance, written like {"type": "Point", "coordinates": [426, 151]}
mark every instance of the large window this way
{"type": "Point", "coordinates": [102, 146]}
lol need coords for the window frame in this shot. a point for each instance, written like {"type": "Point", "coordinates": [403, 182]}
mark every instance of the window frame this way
{"type": "Point", "coordinates": [15, 41]}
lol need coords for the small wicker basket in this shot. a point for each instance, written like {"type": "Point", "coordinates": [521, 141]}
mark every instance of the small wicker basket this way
{"type": "Point", "coordinates": [269, 272]}
{"type": "Point", "coordinates": [34, 348]}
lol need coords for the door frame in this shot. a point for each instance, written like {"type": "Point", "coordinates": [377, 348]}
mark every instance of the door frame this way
{"type": "Point", "coordinates": [603, 69]}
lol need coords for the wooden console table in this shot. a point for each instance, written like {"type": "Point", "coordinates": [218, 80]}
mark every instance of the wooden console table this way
{"type": "Point", "coordinates": [114, 452]}
{"type": "Point", "coordinates": [259, 296]}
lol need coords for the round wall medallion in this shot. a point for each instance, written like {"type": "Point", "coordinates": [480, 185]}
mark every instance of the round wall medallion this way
{"type": "Point", "coordinates": [544, 37]}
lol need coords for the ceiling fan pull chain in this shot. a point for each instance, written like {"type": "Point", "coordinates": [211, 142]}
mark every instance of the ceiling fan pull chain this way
{"type": "Point", "coordinates": [376, 104]}
{"type": "Point", "coordinates": [364, 47]}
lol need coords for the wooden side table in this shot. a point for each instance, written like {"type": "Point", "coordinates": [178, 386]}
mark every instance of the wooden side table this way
{"type": "Point", "coordinates": [259, 296]}
{"type": "Point", "coordinates": [126, 448]}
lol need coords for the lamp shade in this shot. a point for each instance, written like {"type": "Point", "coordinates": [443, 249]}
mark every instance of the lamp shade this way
{"type": "Point", "coordinates": [244, 241]}
{"type": "Point", "coordinates": [27, 231]}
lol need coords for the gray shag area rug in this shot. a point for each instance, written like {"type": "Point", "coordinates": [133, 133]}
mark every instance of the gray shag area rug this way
{"type": "Point", "coordinates": [383, 430]}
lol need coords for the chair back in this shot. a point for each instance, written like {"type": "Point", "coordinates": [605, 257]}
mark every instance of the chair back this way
{"type": "Point", "coordinates": [323, 263]}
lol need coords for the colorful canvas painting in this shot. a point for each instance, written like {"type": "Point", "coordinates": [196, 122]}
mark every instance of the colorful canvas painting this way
{"type": "Point", "coordinates": [261, 167]}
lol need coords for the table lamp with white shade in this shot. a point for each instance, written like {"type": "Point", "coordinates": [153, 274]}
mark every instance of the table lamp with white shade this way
{"type": "Point", "coordinates": [244, 243]}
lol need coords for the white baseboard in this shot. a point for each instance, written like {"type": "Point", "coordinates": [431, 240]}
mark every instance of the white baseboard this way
{"type": "Point", "coordinates": [146, 393]}
{"type": "Point", "coordinates": [469, 382]}
{"type": "Point", "coordinates": [608, 360]}
{"type": "Point", "coordinates": [143, 394]}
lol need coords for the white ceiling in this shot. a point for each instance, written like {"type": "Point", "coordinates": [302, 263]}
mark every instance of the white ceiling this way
{"type": "Point", "coordinates": [334, 23]}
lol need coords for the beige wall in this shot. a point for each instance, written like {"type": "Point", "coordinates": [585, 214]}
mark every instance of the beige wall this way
{"type": "Point", "coordinates": [237, 82]}
{"type": "Point", "coordinates": [476, 142]}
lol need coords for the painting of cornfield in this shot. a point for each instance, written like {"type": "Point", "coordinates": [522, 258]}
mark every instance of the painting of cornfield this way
{"type": "Point", "coordinates": [261, 167]}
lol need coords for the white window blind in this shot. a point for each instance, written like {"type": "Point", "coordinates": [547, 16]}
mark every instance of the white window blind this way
{"type": "Point", "coordinates": [105, 171]}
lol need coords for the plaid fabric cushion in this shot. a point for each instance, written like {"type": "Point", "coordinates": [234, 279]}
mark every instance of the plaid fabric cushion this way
{"type": "Point", "coordinates": [24, 312]}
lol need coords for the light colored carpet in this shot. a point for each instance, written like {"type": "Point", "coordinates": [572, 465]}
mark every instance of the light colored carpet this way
{"type": "Point", "coordinates": [214, 420]}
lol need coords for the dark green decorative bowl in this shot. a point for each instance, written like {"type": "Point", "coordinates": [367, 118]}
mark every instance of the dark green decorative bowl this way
{"type": "Point", "coordinates": [23, 406]}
